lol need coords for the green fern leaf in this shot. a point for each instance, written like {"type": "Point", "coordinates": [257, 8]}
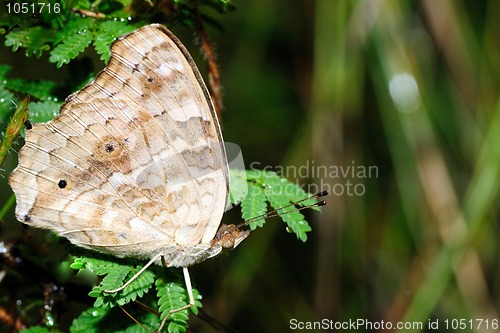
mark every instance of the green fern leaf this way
{"type": "Point", "coordinates": [88, 321]}
{"type": "Point", "coordinates": [254, 205]}
{"type": "Point", "coordinates": [39, 89]}
{"type": "Point", "coordinates": [288, 213]}
{"type": "Point", "coordinates": [138, 287]}
{"type": "Point", "coordinates": [35, 40]}
{"type": "Point", "coordinates": [96, 265]}
{"type": "Point", "coordinates": [43, 111]}
{"type": "Point", "coordinates": [82, 4]}
{"type": "Point", "coordinates": [283, 196]}
{"type": "Point", "coordinates": [239, 187]}
{"type": "Point", "coordinates": [116, 277]}
{"type": "Point", "coordinates": [173, 296]}
{"type": "Point", "coordinates": [72, 41]}
{"type": "Point", "coordinates": [78, 263]}
{"type": "Point", "coordinates": [112, 280]}
{"type": "Point", "coordinates": [106, 33]}
{"type": "Point", "coordinates": [6, 105]}
{"type": "Point", "coordinates": [286, 189]}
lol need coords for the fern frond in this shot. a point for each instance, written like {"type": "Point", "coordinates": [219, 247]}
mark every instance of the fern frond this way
{"type": "Point", "coordinates": [173, 295]}
{"type": "Point", "coordinates": [6, 105]}
{"type": "Point", "coordinates": [35, 40]}
{"type": "Point", "coordinates": [254, 204]}
{"type": "Point", "coordinates": [96, 265]}
{"type": "Point", "coordinates": [282, 196]}
{"type": "Point", "coordinates": [138, 287]}
{"type": "Point", "coordinates": [41, 89]}
{"type": "Point", "coordinates": [116, 277]}
{"type": "Point", "coordinates": [43, 111]}
{"type": "Point", "coordinates": [239, 187]}
{"type": "Point", "coordinates": [73, 40]}
{"type": "Point", "coordinates": [106, 33]}
{"type": "Point", "coordinates": [88, 321]}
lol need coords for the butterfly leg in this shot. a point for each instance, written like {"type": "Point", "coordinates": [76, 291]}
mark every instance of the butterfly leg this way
{"type": "Point", "coordinates": [135, 276]}
{"type": "Point", "coordinates": [187, 280]}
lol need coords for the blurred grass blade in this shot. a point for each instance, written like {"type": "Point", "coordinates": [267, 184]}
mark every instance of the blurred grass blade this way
{"type": "Point", "coordinates": [15, 126]}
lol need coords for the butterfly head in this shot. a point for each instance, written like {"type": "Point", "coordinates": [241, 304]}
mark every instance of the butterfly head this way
{"type": "Point", "coordinates": [229, 236]}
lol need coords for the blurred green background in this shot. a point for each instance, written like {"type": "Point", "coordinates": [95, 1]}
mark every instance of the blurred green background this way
{"type": "Point", "coordinates": [407, 90]}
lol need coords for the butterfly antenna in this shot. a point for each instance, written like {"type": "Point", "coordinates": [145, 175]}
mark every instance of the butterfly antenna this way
{"type": "Point", "coordinates": [214, 323]}
{"type": "Point", "coordinates": [280, 211]}
{"type": "Point", "coordinates": [135, 320]}
{"type": "Point", "coordinates": [147, 308]}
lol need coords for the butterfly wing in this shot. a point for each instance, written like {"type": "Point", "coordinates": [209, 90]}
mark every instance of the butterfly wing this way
{"type": "Point", "coordinates": [134, 163]}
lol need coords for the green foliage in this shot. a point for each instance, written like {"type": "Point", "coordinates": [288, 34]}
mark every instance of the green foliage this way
{"type": "Point", "coordinates": [34, 39]}
{"type": "Point", "coordinates": [65, 29]}
{"type": "Point", "coordinates": [72, 41]}
{"type": "Point", "coordinates": [174, 296]}
{"type": "Point", "coordinates": [55, 28]}
{"type": "Point", "coordinates": [44, 91]}
{"type": "Point", "coordinates": [89, 320]}
{"type": "Point", "coordinates": [41, 89]}
{"type": "Point", "coordinates": [43, 111]}
{"type": "Point", "coordinates": [254, 205]}
{"type": "Point", "coordinates": [108, 31]}
{"type": "Point", "coordinates": [282, 195]}
{"type": "Point", "coordinates": [171, 294]}
{"type": "Point", "coordinates": [97, 320]}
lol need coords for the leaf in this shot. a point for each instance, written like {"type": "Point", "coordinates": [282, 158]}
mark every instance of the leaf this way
{"type": "Point", "coordinates": [288, 212]}
{"type": "Point", "coordinates": [34, 39]}
{"type": "Point", "coordinates": [88, 321]}
{"type": "Point", "coordinates": [283, 196]}
{"type": "Point", "coordinates": [96, 265]}
{"type": "Point", "coordinates": [172, 296]}
{"type": "Point", "coordinates": [138, 287]}
{"type": "Point", "coordinates": [43, 111]}
{"type": "Point", "coordinates": [72, 41]}
{"type": "Point", "coordinates": [6, 105]}
{"type": "Point", "coordinates": [116, 277]}
{"type": "Point", "coordinates": [41, 89]}
{"type": "Point", "coordinates": [254, 205]}
{"type": "Point", "coordinates": [106, 33]}
{"type": "Point", "coordinates": [239, 186]}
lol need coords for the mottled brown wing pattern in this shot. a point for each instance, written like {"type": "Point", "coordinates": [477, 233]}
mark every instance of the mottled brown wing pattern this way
{"type": "Point", "coordinates": [134, 164]}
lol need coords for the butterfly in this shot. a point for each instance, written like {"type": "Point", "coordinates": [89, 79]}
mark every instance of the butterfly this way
{"type": "Point", "coordinates": [134, 165]}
